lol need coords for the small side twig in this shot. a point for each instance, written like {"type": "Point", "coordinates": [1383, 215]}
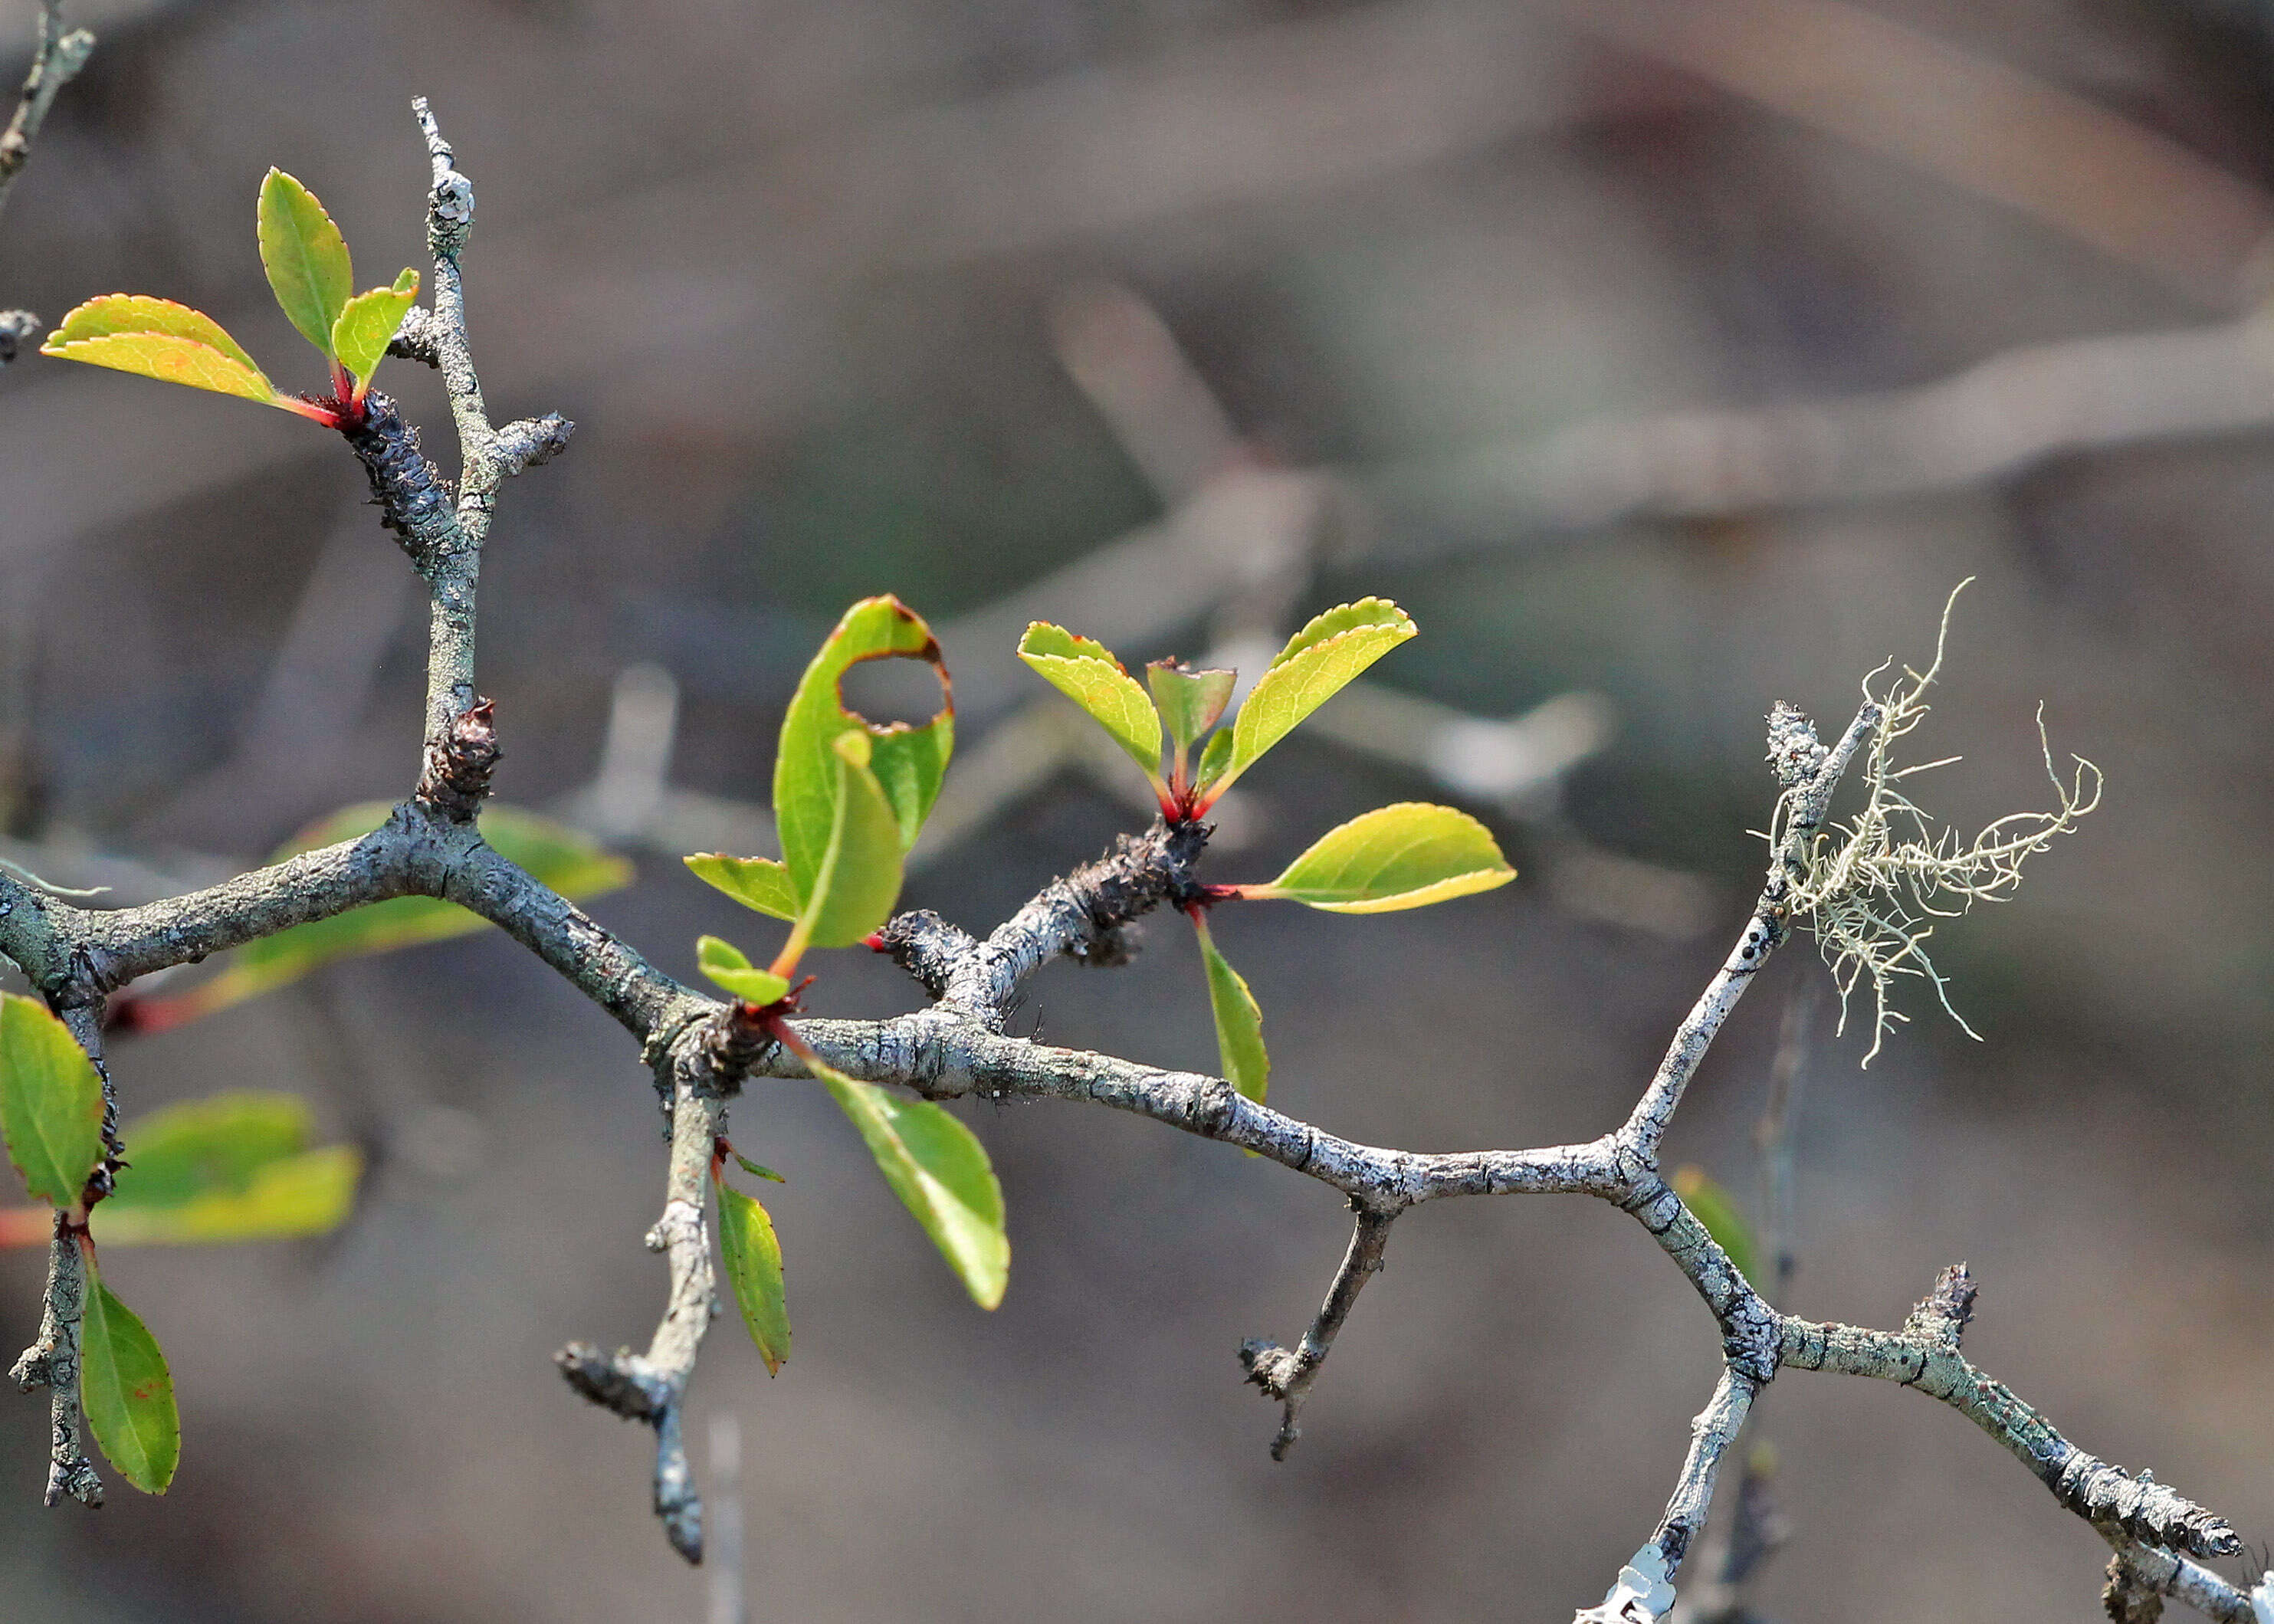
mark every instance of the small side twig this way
{"type": "Point", "coordinates": [1288, 1375]}
{"type": "Point", "coordinates": [56, 62]}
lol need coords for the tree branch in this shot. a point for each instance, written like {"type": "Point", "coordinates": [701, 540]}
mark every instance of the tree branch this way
{"type": "Point", "coordinates": [1287, 1376]}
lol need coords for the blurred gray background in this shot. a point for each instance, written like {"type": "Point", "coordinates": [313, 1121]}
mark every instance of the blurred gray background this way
{"type": "Point", "coordinates": [1662, 361]}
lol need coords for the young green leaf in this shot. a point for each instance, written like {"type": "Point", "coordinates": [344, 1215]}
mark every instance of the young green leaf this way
{"type": "Point", "coordinates": [1239, 1022]}
{"type": "Point", "coordinates": [311, 1193]}
{"type": "Point", "coordinates": [940, 1172]}
{"type": "Point", "coordinates": [115, 313]}
{"type": "Point", "coordinates": [1317, 661]}
{"type": "Point", "coordinates": [756, 1171]}
{"type": "Point", "coordinates": [306, 258]}
{"type": "Point", "coordinates": [569, 861]}
{"type": "Point", "coordinates": [859, 878]}
{"type": "Point", "coordinates": [908, 762]}
{"type": "Point", "coordinates": [170, 358]}
{"type": "Point", "coordinates": [127, 1391]}
{"type": "Point", "coordinates": [1402, 857]}
{"type": "Point", "coordinates": [1214, 759]}
{"type": "Point", "coordinates": [51, 1101]}
{"type": "Point", "coordinates": [754, 1268]}
{"type": "Point", "coordinates": [366, 323]}
{"type": "Point", "coordinates": [1087, 673]}
{"type": "Point", "coordinates": [723, 963]}
{"type": "Point", "coordinates": [758, 882]}
{"type": "Point", "coordinates": [1189, 700]}
{"type": "Point", "coordinates": [1715, 1208]}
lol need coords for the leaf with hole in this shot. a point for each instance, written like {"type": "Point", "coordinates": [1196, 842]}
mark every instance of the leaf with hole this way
{"type": "Point", "coordinates": [306, 258]}
{"type": "Point", "coordinates": [758, 882]}
{"type": "Point", "coordinates": [940, 1172]}
{"type": "Point", "coordinates": [859, 877]}
{"type": "Point", "coordinates": [366, 324]}
{"type": "Point", "coordinates": [1087, 673]}
{"type": "Point", "coordinates": [1189, 700]}
{"type": "Point", "coordinates": [51, 1101]}
{"type": "Point", "coordinates": [907, 762]}
{"type": "Point", "coordinates": [1314, 666]}
{"type": "Point", "coordinates": [1715, 1208]}
{"type": "Point", "coordinates": [569, 861]}
{"type": "Point", "coordinates": [754, 1268]}
{"type": "Point", "coordinates": [1239, 1023]}
{"type": "Point", "coordinates": [1402, 856]}
{"type": "Point", "coordinates": [127, 1391]}
{"type": "Point", "coordinates": [727, 967]}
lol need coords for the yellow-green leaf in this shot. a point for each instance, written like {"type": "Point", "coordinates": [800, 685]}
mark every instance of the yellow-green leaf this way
{"type": "Point", "coordinates": [306, 258]}
{"type": "Point", "coordinates": [725, 965]}
{"type": "Point", "coordinates": [1724, 1220]}
{"type": "Point", "coordinates": [754, 1268]}
{"type": "Point", "coordinates": [940, 1172]}
{"type": "Point", "coordinates": [757, 1171]}
{"type": "Point", "coordinates": [181, 1152]}
{"type": "Point", "coordinates": [51, 1101]}
{"type": "Point", "coordinates": [234, 1167]}
{"type": "Point", "coordinates": [311, 1193]}
{"type": "Point", "coordinates": [1317, 661]}
{"type": "Point", "coordinates": [1402, 857]}
{"type": "Point", "coordinates": [170, 358]}
{"type": "Point", "coordinates": [1238, 1024]}
{"type": "Point", "coordinates": [1189, 700]}
{"type": "Point", "coordinates": [140, 312]}
{"type": "Point", "coordinates": [909, 762]}
{"type": "Point", "coordinates": [569, 861]}
{"type": "Point", "coordinates": [1087, 673]}
{"type": "Point", "coordinates": [758, 883]}
{"type": "Point", "coordinates": [367, 322]}
{"type": "Point", "coordinates": [127, 1391]}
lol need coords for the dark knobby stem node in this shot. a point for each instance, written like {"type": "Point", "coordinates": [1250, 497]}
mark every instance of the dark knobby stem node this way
{"type": "Point", "coordinates": [730, 1045]}
{"type": "Point", "coordinates": [413, 497]}
{"type": "Point", "coordinates": [927, 947]}
{"type": "Point", "coordinates": [1944, 1312]}
{"type": "Point", "coordinates": [460, 762]}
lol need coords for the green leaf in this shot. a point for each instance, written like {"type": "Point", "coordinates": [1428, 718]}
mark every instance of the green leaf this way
{"type": "Point", "coordinates": [1189, 700]}
{"type": "Point", "coordinates": [1087, 673]}
{"type": "Point", "coordinates": [754, 1268]}
{"type": "Point", "coordinates": [571, 863]}
{"type": "Point", "coordinates": [1312, 668]}
{"type": "Point", "coordinates": [236, 1167]}
{"type": "Point", "coordinates": [306, 258]}
{"type": "Point", "coordinates": [367, 322]}
{"type": "Point", "coordinates": [171, 359]}
{"type": "Point", "coordinates": [182, 1152]}
{"type": "Point", "coordinates": [940, 1172]}
{"type": "Point", "coordinates": [723, 963]}
{"type": "Point", "coordinates": [1402, 857]}
{"type": "Point", "coordinates": [859, 879]}
{"type": "Point", "coordinates": [1213, 758]}
{"type": "Point", "coordinates": [758, 883]}
{"type": "Point", "coordinates": [1239, 1023]}
{"type": "Point", "coordinates": [311, 1193]}
{"type": "Point", "coordinates": [1715, 1208]}
{"type": "Point", "coordinates": [909, 762]}
{"type": "Point", "coordinates": [51, 1101]}
{"type": "Point", "coordinates": [127, 1391]}
{"type": "Point", "coordinates": [138, 312]}
{"type": "Point", "coordinates": [756, 1170]}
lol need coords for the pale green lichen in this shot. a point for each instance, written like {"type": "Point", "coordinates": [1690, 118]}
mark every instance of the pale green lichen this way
{"type": "Point", "coordinates": [1869, 888]}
